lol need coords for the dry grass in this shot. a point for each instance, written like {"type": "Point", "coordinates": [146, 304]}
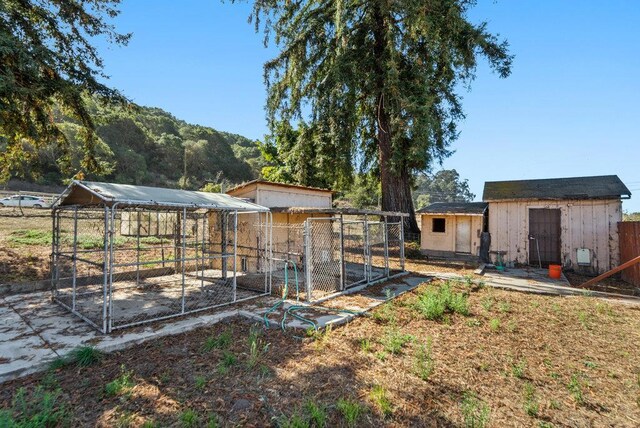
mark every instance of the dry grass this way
{"type": "Point", "coordinates": [551, 360]}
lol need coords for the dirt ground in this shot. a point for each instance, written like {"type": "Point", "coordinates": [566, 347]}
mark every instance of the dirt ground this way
{"type": "Point", "coordinates": [514, 360]}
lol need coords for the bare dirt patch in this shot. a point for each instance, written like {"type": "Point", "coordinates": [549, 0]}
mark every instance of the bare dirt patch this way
{"type": "Point", "coordinates": [527, 359]}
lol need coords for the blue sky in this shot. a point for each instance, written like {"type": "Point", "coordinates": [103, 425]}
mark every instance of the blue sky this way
{"type": "Point", "coordinates": [570, 107]}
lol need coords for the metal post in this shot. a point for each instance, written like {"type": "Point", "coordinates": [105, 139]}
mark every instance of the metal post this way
{"type": "Point", "coordinates": [138, 250]}
{"type": "Point", "coordinates": [386, 246]}
{"type": "Point", "coordinates": [343, 277]}
{"type": "Point", "coordinates": [270, 234]}
{"type": "Point", "coordinates": [235, 253]}
{"type": "Point", "coordinates": [367, 261]}
{"type": "Point", "coordinates": [184, 252]}
{"type": "Point", "coordinates": [223, 243]}
{"type": "Point", "coordinates": [308, 257]}
{"type": "Point", "coordinates": [401, 244]}
{"type": "Point", "coordinates": [55, 218]}
{"type": "Point", "coordinates": [75, 253]}
{"type": "Point", "coordinates": [202, 252]}
{"type": "Point", "coordinates": [105, 270]}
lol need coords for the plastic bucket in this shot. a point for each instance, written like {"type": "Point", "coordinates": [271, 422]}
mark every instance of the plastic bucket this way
{"type": "Point", "coordinates": [555, 271]}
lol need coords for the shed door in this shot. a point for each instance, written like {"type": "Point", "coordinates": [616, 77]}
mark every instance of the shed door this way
{"type": "Point", "coordinates": [463, 235]}
{"type": "Point", "coordinates": [544, 228]}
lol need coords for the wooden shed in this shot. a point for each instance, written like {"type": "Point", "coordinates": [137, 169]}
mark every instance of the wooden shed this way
{"type": "Point", "coordinates": [451, 228]}
{"type": "Point", "coordinates": [568, 221]}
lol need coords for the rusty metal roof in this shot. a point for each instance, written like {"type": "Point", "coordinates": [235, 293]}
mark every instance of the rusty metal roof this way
{"type": "Point", "coordinates": [470, 208]}
{"type": "Point", "coordinates": [596, 187]}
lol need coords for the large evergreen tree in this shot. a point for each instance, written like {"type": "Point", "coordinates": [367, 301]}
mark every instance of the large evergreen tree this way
{"type": "Point", "coordinates": [47, 58]}
{"type": "Point", "coordinates": [376, 80]}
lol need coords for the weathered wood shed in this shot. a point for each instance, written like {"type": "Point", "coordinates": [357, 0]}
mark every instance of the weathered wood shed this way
{"type": "Point", "coordinates": [450, 228]}
{"type": "Point", "coordinates": [567, 221]}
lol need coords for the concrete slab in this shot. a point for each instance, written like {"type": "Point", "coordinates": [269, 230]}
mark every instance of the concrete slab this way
{"type": "Point", "coordinates": [34, 331]}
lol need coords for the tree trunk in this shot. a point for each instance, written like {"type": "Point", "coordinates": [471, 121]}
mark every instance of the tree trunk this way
{"type": "Point", "coordinates": [395, 182]}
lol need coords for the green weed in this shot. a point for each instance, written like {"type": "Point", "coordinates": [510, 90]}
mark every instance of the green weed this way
{"type": "Point", "coordinates": [200, 382]}
{"type": "Point", "coordinates": [351, 411]}
{"type": "Point", "coordinates": [296, 420]}
{"type": "Point", "coordinates": [317, 414]}
{"type": "Point", "coordinates": [386, 313]}
{"type": "Point", "coordinates": [487, 303]}
{"type": "Point", "coordinates": [229, 359]}
{"type": "Point", "coordinates": [85, 356]}
{"type": "Point", "coordinates": [366, 345]}
{"type": "Point", "coordinates": [575, 388]}
{"type": "Point", "coordinates": [424, 360]}
{"type": "Point", "coordinates": [512, 326]}
{"type": "Point", "coordinates": [504, 307]}
{"type": "Point", "coordinates": [474, 322]}
{"type": "Point", "coordinates": [380, 399]}
{"type": "Point", "coordinates": [494, 325]}
{"type": "Point", "coordinates": [40, 409]}
{"type": "Point", "coordinates": [121, 385]}
{"type": "Point", "coordinates": [394, 341]}
{"type": "Point", "coordinates": [189, 419]}
{"type": "Point", "coordinates": [221, 341]}
{"type": "Point", "coordinates": [434, 302]}
{"type": "Point", "coordinates": [475, 412]}
{"type": "Point", "coordinates": [30, 237]}
{"type": "Point", "coordinates": [531, 405]}
{"type": "Point", "coordinates": [518, 369]}
{"type": "Point", "coordinates": [256, 348]}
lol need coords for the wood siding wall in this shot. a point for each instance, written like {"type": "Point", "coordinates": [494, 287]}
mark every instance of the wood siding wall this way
{"type": "Point", "coordinates": [591, 224]}
{"type": "Point", "coordinates": [446, 242]}
{"type": "Point", "coordinates": [629, 249]}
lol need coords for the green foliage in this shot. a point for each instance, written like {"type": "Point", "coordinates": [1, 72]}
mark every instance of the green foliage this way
{"type": "Point", "coordinates": [443, 186]}
{"type": "Point", "coordinates": [39, 409]}
{"type": "Point", "coordinates": [189, 419]}
{"type": "Point", "coordinates": [531, 405]}
{"type": "Point", "coordinates": [424, 360]}
{"type": "Point", "coordinates": [518, 369]}
{"type": "Point", "coordinates": [47, 59]}
{"type": "Point", "coordinates": [317, 414]}
{"type": "Point", "coordinates": [296, 420]}
{"type": "Point", "coordinates": [435, 301]}
{"type": "Point", "coordinates": [222, 341]}
{"type": "Point", "coordinates": [494, 325]}
{"type": "Point", "coordinates": [475, 412]}
{"type": "Point", "coordinates": [365, 345]}
{"type": "Point", "coordinates": [627, 216]}
{"type": "Point", "coordinates": [380, 399]}
{"type": "Point", "coordinates": [394, 341]}
{"type": "Point", "coordinates": [200, 382]}
{"type": "Point", "coordinates": [30, 237]}
{"type": "Point", "coordinates": [257, 348]}
{"type": "Point", "coordinates": [575, 386]}
{"type": "Point", "coordinates": [121, 385]}
{"type": "Point", "coordinates": [85, 356]}
{"type": "Point", "coordinates": [351, 411]}
{"type": "Point", "coordinates": [375, 83]}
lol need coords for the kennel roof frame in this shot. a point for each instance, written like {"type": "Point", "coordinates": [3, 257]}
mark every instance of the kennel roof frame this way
{"type": "Point", "coordinates": [92, 193]}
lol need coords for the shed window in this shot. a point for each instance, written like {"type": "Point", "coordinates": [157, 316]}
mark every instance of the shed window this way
{"type": "Point", "coordinates": [438, 225]}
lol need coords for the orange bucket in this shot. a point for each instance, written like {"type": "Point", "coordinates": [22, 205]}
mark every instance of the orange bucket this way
{"type": "Point", "coordinates": [555, 271]}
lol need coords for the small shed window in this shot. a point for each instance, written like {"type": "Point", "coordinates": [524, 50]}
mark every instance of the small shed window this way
{"type": "Point", "coordinates": [438, 225]}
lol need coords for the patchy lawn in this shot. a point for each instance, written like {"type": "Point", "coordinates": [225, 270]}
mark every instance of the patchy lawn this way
{"type": "Point", "coordinates": [442, 355]}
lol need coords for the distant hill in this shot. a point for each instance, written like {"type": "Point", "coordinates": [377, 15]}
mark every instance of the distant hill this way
{"type": "Point", "coordinates": [148, 146]}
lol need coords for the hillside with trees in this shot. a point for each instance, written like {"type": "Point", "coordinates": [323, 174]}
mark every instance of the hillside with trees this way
{"type": "Point", "coordinates": [145, 146]}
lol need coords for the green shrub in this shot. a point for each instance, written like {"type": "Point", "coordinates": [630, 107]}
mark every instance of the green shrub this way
{"type": "Point", "coordinates": [393, 341]}
{"type": "Point", "coordinates": [434, 302]}
{"type": "Point", "coordinates": [475, 412]}
{"type": "Point", "coordinates": [351, 411]}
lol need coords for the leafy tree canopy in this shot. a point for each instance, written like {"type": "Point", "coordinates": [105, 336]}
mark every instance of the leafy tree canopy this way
{"type": "Point", "coordinates": [443, 186]}
{"type": "Point", "coordinates": [47, 59]}
{"type": "Point", "coordinates": [375, 81]}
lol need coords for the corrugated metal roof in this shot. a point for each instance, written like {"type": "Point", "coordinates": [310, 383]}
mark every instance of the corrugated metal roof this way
{"type": "Point", "coordinates": [343, 211]}
{"type": "Point", "coordinates": [95, 193]}
{"type": "Point", "coordinates": [597, 187]}
{"type": "Point", "coordinates": [472, 208]}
